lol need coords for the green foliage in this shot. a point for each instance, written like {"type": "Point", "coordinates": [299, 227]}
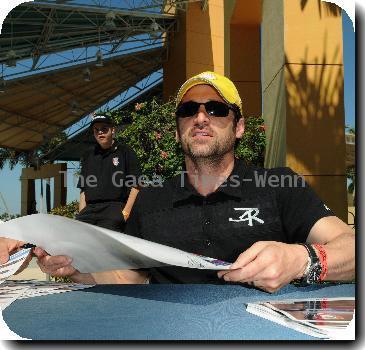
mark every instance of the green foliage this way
{"type": "Point", "coordinates": [151, 134]}
{"type": "Point", "coordinates": [70, 210]}
{"type": "Point", "coordinates": [251, 148]}
{"type": "Point", "coordinates": [61, 279]}
{"type": "Point", "coordinates": [7, 216]}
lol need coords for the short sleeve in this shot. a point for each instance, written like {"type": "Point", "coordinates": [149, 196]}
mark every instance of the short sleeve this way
{"type": "Point", "coordinates": [82, 176]}
{"type": "Point", "coordinates": [300, 207]}
{"type": "Point", "coordinates": [132, 163]}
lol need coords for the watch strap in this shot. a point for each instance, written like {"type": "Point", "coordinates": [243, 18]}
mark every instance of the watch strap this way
{"type": "Point", "coordinates": [311, 252]}
{"type": "Point", "coordinates": [310, 275]}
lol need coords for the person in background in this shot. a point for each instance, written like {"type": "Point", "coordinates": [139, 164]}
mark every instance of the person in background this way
{"type": "Point", "coordinates": [105, 198]}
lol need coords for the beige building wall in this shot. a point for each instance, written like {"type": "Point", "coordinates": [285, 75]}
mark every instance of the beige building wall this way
{"type": "Point", "coordinates": [303, 94]}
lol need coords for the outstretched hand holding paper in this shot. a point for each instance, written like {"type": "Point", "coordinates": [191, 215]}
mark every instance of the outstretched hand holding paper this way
{"type": "Point", "coordinates": [95, 249]}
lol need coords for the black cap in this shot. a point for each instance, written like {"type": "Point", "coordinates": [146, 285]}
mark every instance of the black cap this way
{"type": "Point", "coordinates": [100, 119]}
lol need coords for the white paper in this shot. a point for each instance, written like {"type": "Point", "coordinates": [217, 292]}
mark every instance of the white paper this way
{"type": "Point", "coordinates": [14, 263]}
{"type": "Point", "coordinates": [96, 249]}
{"type": "Point", "coordinates": [329, 328]}
{"type": "Point", "coordinates": [9, 294]}
{"type": "Point", "coordinates": [34, 288]}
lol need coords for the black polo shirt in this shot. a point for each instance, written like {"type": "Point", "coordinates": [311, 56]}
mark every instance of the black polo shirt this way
{"type": "Point", "coordinates": [248, 207]}
{"type": "Point", "coordinates": [107, 175]}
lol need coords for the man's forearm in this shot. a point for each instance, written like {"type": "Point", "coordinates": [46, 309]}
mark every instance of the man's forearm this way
{"type": "Point", "coordinates": [131, 199]}
{"type": "Point", "coordinates": [121, 277]}
{"type": "Point", "coordinates": [111, 277]}
{"type": "Point", "coordinates": [83, 278]}
{"type": "Point", "coordinates": [82, 203]}
{"type": "Point", "coordinates": [341, 258]}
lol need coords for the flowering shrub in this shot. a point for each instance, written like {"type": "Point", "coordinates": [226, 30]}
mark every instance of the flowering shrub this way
{"type": "Point", "coordinates": [151, 134]}
{"type": "Point", "coordinates": [69, 211]}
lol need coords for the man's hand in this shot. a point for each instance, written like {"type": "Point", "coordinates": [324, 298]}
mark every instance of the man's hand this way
{"type": "Point", "coordinates": [58, 266]}
{"type": "Point", "coordinates": [268, 265]}
{"type": "Point", "coordinates": [8, 246]}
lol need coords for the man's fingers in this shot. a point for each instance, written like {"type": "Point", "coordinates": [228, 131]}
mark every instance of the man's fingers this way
{"type": "Point", "coordinates": [4, 257]}
{"type": "Point", "coordinates": [59, 265]}
{"type": "Point", "coordinates": [56, 270]}
{"type": "Point", "coordinates": [248, 255]}
{"type": "Point", "coordinates": [55, 262]}
{"type": "Point", "coordinates": [7, 246]}
{"type": "Point", "coordinates": [39, 252]}
{"type": "Point", "coordinates": [249, 272]}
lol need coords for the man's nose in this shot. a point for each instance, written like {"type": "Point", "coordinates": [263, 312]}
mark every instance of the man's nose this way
{"type": "Point", "coordinates": [201, 116]}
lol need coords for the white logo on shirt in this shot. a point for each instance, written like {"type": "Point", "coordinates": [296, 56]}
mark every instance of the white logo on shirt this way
{"type": "Point", "coordinates": [249, 215]}
{"type": "Point", "coordinates": [116, 161]}
{"type": "Point", "coordinates": [326, 207]}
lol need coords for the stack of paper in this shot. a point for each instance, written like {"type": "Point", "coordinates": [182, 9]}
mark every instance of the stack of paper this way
{"type": "Point", "coordinates": [327, 318]}
{"type": "Point", "coordinates": [13, 290]}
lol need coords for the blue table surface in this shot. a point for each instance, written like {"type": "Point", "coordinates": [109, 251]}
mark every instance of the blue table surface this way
{"type": "Point", "coordinates": [157, 312]}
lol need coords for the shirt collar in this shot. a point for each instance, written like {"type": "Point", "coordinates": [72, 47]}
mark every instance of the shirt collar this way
{"type": "Point", "coordinates": [112, 149]}
{"type": "Point", "coordinates": [231, 187]}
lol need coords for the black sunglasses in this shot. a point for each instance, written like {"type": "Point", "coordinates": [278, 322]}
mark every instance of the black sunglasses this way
{"type": "Point", "coordinates": [104, 129]}
{"type": "Point", "coordinates": [213, 109]}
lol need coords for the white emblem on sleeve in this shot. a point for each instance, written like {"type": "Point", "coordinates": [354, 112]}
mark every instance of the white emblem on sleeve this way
{"type": "Point", "coordinates": [249, 215]}
{"type": "Point", "coordinates": [116, 161]}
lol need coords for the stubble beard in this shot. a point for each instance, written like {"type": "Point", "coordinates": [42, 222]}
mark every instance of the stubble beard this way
{"type": "Point", "coordinates": [208, 153]}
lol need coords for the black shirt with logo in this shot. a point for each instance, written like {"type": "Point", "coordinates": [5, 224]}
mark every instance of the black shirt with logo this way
{"type": "Point", "coordinates": [108, 175]}
{"type": "Point", "coordinates": [254, 204]}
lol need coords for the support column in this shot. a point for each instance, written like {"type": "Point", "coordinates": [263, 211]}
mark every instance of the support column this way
{"type": "Point", "coordinates": [200, 43]}
{"type": "Point", "coordinates": [58, 171]}
{"type": "Point", "coordinates": [27, 196]}
{"type": "Point", "coordinates": [245, 54]}
{"type": "Point", "coordinates": [303, 94]}
{"type": "Point", "coordinates": [60, 188]}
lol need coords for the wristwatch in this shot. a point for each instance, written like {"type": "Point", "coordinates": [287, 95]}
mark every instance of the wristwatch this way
{"type": "Point", "coordinates": [314, 270]}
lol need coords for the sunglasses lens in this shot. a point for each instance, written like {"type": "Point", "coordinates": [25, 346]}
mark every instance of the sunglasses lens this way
{"type": "Point", "coordinates": [187, 109]}
{"type": "Point", "coordinates": [213, 108]}
{"type": "Point", "coordinates": [103, 130]}
{"type": "Point", "coordinates": [217, 109]}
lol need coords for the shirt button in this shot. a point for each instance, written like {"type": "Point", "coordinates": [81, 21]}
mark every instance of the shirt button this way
{"type": "Point", "coordinates": [208, 242]}
{"type": "Point", "coordinates": [207, 221]}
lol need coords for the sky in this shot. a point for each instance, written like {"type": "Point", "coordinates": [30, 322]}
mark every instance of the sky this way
{"type": "Point", "coordinates": [10, 179]}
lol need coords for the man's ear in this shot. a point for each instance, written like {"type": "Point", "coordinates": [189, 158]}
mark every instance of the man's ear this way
{"type": "Point", "coordinates": [240, 128]}
{"type": "Point", "coordinates": [113, 131]}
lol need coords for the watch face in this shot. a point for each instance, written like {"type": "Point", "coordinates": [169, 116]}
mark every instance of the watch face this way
{"type": "Point", "coordinates": [314, 273]}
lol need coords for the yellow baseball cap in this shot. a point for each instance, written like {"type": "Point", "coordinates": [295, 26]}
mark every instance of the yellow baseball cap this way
{"type": "Point", "coordinates": [222, 84]}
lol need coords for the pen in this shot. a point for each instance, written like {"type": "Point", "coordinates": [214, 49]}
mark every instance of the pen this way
{"type": "Point", "coordinates": [28, 245]}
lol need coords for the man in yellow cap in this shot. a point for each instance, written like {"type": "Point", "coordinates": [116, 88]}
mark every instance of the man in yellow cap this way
{"type": "Point", "coordinates": [272, 231]}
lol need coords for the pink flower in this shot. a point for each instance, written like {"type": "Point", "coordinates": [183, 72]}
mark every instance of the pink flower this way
{"type": "Point", "coordinates": [158, 135]}
{"type": "Point", "coordinates": [262, 127]}
{"type": "Point", "coordinates": [138, 106]}
{"type": "Point", "coordinates": [164, 154]}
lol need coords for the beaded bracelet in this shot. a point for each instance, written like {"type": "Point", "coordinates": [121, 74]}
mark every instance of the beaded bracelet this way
{"type": "Point", "coordinates": [323, 259]}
